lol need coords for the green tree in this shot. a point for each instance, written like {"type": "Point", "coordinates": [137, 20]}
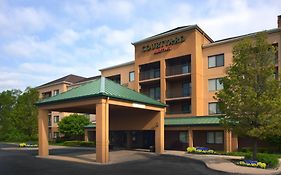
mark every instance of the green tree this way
{"type": "Point", "coordinates": [25, 113]}
{"type": "Point", "coordinates": [72, 126]}
{"type": "Point", "coordinates": [18, 115]}
{"type": "Point", "coordinates": [8, 100]}
{"type": "Point", "coordinates": [251, 98]}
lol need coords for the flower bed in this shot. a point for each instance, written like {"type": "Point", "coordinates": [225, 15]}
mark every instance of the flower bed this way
{"type": "Point", "coordinates": [252, 163]}
{"type": "Point", "coordinates": [30, 145]}
{"type": "Point", "coordinates": [200, 150]}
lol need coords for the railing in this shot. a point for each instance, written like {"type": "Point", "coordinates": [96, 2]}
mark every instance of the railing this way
{"type": "Point", "coordinates": [177, 112]}
{"type": "Point", "coordinates": [178, 93]}
{"type": "Point", "coordinates": [150, 74]}
{"type": "Point", "coordinates": [177, 69]}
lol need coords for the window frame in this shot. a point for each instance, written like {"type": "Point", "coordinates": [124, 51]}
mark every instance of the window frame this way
{"type": "Point", "coordinates": [55, 120]}
{"type": "Point", "coordinates": [217, 82]}
{"type": "Point", "coordinates": [54, 92]}
{"type": "Point", "coordinates": [215, 136]}
{"type": "Point", "coordinates": [132, 72]}
{"type": "Point", "coordinates": [217, 108]}
{"type": "Point", "coordinates": [216, 60]}
{"type": "Point", "coordinates": [183, 134]}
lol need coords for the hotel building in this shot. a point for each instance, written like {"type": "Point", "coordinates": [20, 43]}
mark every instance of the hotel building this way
{"type": "Point", "coordinates": [181, 68]}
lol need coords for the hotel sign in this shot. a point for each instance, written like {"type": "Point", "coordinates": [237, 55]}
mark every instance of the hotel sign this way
{"type": "Point", "coordinates": [164, 45]}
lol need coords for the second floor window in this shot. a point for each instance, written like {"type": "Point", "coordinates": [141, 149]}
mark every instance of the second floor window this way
{"type": "Point", "coordinates": [56, 92]}
{"type": "Point", "coordinates": [214, 108]}
{"type": "Point", "coordinates": [186, 107]}
{"type": "Point", "coordinates": [132, 76]}
{"type": "Point", "coordinates": [215, 84]}
{"type": "Point", "coordinates": [155, 93]}
{"type": "Point", "coordinates": [56, 119]}
{"type": "Point", "coordinates": [186, 88]}
{"type": "Point", "coordinates": [216, 61]}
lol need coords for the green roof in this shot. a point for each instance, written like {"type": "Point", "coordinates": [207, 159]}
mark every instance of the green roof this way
{"type": "Point", "coordinates": [186, 121]}
{"type": "Point", "coordinates": [90, 126]}
{"type": "Point", "coordinates": [198, 120]}
{"type": "Point", "coordinates": [101, 87]}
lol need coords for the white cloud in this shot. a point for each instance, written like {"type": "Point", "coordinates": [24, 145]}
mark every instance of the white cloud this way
{"type": "Point", "coordinates": [39, 44]}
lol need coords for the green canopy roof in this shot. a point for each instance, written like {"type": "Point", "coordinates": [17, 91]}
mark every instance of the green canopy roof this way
{"type": "Point", "coordinates": [198, 120]}
{"type": "Point", "coordinates": [101, 87]}
{"type": "Point", "coordinates": [186, 121]}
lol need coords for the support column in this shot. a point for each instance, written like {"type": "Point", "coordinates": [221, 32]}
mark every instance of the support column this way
{"type": "Point", "coordinates": [190, 137]}
{"type": "Point", "coordinates": [86, 136]}
{"type": "Point", "coordinates": [159, 133]}
{"type": "Point", "coordinates": [162, 81]}
{"type": "Point", "coordinates": [43, 133]}
{"type": "Point", "coordinates": [234, 139]}
{"type": "Point", "coordinates": [102, 132]}
{"type": "Point", "coordinates": [226, 141]}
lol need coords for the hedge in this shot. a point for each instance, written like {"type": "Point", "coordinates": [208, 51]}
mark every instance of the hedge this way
{"type": "Point", "coordinates": [79, 143]}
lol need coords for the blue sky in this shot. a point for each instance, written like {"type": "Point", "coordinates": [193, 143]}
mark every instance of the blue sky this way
{"type": "Point", "coordinates": [44, 40]}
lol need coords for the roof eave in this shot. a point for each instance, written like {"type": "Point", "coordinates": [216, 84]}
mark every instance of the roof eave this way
{"type": "Point", "coordinates": [191, 27]}
{"type": "Point", "coordinates": [237, 38]}
{"type": "Point", "coordinates": [101, 95]}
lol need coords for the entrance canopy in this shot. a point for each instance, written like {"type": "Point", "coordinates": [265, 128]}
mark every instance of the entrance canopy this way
{"type": "Point", "coordinates": [127, 108]}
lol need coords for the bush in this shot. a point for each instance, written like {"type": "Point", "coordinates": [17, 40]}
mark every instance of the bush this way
{"type": "Point", "coordinates": [270, 159]}
{"type": "Point", "coordinates": [87, 144]}
{"type": "Point", "coordinates": [79, 143]}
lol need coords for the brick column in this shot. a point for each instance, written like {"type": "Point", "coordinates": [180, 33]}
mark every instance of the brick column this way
{"type": "Point", "coordinates": [159, 133]}
{"type": "Point", "coordinates": [43, 132]}
{"type": "Point", "coordinates": [86, 136]}
{"type": "Point", "coordinates": [190, 137]}
{"type": "Point", "coordinates": [102, 132]}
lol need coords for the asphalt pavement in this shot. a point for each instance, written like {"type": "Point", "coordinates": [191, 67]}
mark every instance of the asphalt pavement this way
{"type": "Point", "coordinates": [25, 162]}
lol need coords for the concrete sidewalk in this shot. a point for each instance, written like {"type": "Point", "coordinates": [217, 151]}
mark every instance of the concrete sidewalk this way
{"type": "Point", "coordinates": [224, 164]}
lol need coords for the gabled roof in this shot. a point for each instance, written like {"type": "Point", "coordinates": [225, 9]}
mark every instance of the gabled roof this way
{"type": "Point", "coordinates": [88, 79]}
{"type": "Point", "coordinates": [101, 87]}
{"type": "Point", "coordinates": [188, 121]}
{"type": "Point", "coordinates": [118, 65]}
{"type": "Point", "coordinates": [67, 79]}
{"type": "Point", "coordinates": [236, 38]}
{"type": "Point", "coordinates": [174, 31]}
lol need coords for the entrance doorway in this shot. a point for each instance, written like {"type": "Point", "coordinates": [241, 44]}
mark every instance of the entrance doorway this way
{"type": "Point", "coordinates": [132, 139]}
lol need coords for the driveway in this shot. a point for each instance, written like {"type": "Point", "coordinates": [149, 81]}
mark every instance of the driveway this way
{"type": "Point", "coordinates": [20, 162]}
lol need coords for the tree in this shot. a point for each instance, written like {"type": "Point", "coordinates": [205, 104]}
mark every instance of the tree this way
{"type": "Point", "coordinates": [251, 98]}
{"type": "Point", "coordinates": [25, 113]}
{"type": "Point", "coordinates": [18, 115]}
{"type": "Point", "coordinates": [8, 100]}
{"type": "Point", "coordinates": [72, 126]}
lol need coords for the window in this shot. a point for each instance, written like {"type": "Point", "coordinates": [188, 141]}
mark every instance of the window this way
{"type": "Point", "coordinates": [46, 94]}
{"type": "Point", "coordinates": [183, 137]}
{"type": "Point", "coordinates": [214, 108]}
{"type": "Point", "coordinates": [56, 134]}
{"type": "Point", "coordinates": [186, 107]}
{"type": "Point", "coordinates": [155, 93]}
{"type": "Point", "coordinates": [215, 137]}
{"type": "Point", "coordinates": [132, 76]}
{"type": "Point", "coordinates": [186, 89]}
{"type": "Point", "coordinates": [156, 73]}
{"type": "Point", "coordinates": [56, 119]}
{"type": "Point", "coordinates": [56, 92]}
{"type": "Point", "coordinates": [216, 61]}
{"type": "Point", "coordinates": [49, 121]}
{"type": "Point", "coordinates": [215, 84]}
